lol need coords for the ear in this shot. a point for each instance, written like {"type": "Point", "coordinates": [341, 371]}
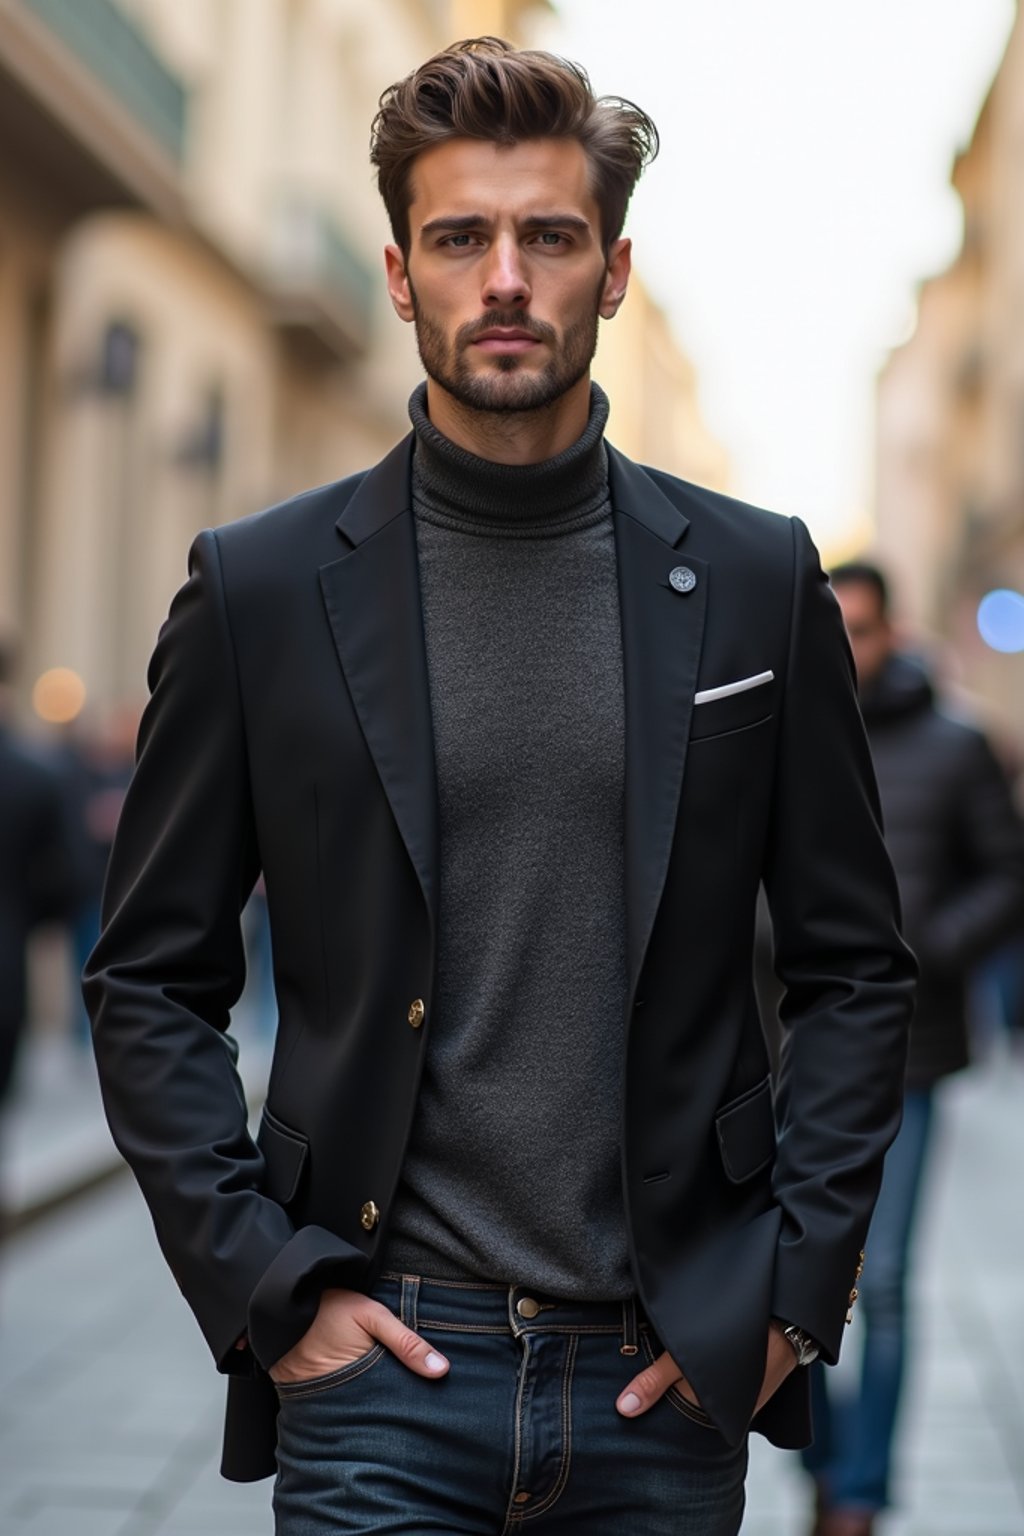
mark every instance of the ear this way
{"type": "Point", "coordinates": [398, 282]}
{"type": "Point", "coordinates": [616, 281]}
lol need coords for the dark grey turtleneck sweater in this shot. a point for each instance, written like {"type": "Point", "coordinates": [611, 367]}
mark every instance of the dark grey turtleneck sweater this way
{"type": "Point", "coordinates": [512, 1172]}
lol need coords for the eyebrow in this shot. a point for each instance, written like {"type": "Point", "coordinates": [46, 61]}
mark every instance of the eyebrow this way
{"type": "Point", "coordinates": [462, 223]}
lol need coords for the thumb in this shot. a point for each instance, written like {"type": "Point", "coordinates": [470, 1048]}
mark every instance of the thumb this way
{"type": "Point", "coordinates": [413, 1351]}
{"type": "Point", "coordinates": [651, 1384]}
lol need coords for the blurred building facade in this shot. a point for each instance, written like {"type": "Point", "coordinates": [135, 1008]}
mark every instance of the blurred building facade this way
{"type": "Point", "coordinates": [950, 417]}
{"type": "Point", "coordinates": [192, 308]}
{"type": "Point", "coordinates": [653, 386]}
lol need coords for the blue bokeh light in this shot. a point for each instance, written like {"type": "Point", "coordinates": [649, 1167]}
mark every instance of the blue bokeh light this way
{"type": "Point", "coordinates": [1001, 620]}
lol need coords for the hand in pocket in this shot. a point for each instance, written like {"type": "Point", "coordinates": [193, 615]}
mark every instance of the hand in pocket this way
{"type": "Point", "coordinates": [346, 1327]}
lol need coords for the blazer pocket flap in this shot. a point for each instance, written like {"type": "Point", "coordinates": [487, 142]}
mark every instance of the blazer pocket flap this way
{"type": "Point", "coordinates": [746, 1132]}
{"type": "Point", "coordinates": [285, 1152]}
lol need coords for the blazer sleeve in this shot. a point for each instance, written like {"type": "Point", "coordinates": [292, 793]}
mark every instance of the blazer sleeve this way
{"type": "Point", "coordinates": [160, 985]}
{"type": "Point", "coordinates": [848, 976]}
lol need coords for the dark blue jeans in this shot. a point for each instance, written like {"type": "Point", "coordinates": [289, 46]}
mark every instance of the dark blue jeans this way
{"type": "Point", "coordinates": [522, 1434]}
{"type": "Point", "coordinates": [853, 1436]}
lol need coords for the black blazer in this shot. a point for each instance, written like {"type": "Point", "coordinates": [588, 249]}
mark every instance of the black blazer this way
{"type": "Point", "coordinates": [289, 730]}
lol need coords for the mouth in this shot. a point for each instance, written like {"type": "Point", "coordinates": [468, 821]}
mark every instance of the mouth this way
{"type": "Point", "coordinates": [503, 341]}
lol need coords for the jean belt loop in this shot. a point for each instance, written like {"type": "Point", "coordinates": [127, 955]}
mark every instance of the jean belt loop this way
{"type": "Point", "coordinates": [410, 1301]}
{"type": "Point", "coordinates": [629, 1344]}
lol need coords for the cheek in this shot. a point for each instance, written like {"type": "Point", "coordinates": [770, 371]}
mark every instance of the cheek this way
{"type": "Point", "coordinates": [566, 300]}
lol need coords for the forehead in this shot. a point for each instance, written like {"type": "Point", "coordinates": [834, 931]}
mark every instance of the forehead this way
{"type": "Point", "coordinates": [537, 176]}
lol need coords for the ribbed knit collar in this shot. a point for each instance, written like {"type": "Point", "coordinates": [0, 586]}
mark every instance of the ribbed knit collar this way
{"type": "Point", "coordinates": [455, 489]}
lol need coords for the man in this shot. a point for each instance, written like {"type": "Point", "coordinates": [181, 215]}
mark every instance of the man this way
{"type": "Point", "coordinates": [958, 849]}
{"type": "Point", "coordinates": [513, 728]}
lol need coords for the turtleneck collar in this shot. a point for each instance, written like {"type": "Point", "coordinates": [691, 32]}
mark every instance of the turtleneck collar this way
{"type": "Point", "coordinates": [456, 489]}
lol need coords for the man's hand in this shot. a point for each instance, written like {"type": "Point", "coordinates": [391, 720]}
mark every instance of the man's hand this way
{"type": "Point", "coordinates": [346, 1327]}
{"type": "Point", "coordinates": [781, 1360]}
{"type": "Point", "coordinates": [652, 1384]}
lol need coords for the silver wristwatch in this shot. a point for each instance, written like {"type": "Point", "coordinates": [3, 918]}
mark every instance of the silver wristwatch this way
{"type": "Point", "coordinates": [804, 1347]}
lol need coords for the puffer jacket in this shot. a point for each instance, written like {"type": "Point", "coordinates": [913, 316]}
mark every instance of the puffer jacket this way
{"type": "Point", "coordinates": [957, 845]}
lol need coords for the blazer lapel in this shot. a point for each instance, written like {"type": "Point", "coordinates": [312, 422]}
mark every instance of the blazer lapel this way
{"type": "Point", "coordinates": [662, 633]}
{"type": "Point", "coordinates": [372, 597]}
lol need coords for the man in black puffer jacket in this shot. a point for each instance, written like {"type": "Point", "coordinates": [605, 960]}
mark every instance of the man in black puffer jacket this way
{"type": "Point", "coordinates": [957, 845]}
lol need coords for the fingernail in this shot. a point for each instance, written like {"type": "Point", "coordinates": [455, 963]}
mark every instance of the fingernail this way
{"type": "Point", "coordinates": [629, 1403]}
{"type": "Point", "coordinates": [435, 1362]}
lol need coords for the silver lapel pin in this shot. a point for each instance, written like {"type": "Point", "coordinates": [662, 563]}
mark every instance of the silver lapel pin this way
{"type": "Point", "coordinates": [682, 579]}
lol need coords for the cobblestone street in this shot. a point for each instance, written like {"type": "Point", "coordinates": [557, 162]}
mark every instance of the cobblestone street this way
{"type": "Point", "coordinates": [110, 1411]}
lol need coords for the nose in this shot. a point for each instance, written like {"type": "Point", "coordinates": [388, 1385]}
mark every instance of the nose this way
{"type": "Point", "coordinates": [506, 285]}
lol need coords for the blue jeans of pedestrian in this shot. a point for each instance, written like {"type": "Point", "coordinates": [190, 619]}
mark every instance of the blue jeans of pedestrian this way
{"type": "Point", "coordinates": [522, 1434]}
{"type": "Point", "coordinates": [853, 1436]}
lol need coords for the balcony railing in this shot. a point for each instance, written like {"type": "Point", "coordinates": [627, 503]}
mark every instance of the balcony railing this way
{"type": "Point", "coordinates": [107, 43]}
{"type": "Point", "coordinates": [321, 284]}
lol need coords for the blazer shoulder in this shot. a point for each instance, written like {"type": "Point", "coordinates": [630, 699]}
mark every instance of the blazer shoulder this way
{"type": "Point", "coordinates": [291, 526]}
{"type": "Point", "coordinates": [715, 504]}
{"type": "Point", "coordinates": [270, 557]}
{"type": "Point", "coordinates": [727, 523]}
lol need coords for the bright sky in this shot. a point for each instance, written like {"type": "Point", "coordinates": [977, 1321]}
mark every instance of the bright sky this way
{"type": "Point", "coordinates": [801, 192]}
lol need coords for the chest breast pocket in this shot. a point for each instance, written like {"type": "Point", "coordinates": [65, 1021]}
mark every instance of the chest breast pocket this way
{"type": "Point", "coordinates": [732, 707]}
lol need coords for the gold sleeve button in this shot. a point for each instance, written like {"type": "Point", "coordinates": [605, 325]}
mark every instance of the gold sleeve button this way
{"type": "Point", "coordinates": [369, 1215]}
{"type": "Point", "coordinates": [417, 1012]}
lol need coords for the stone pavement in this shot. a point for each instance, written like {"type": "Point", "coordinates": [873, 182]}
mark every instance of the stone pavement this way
{"type": "Point", "coordinates": [54, 1140]}
{"type": "Point", "coordinates": [110, 1411]}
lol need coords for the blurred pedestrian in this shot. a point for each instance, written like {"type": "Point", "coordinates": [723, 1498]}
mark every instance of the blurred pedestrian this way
{"type": "Point", "coordinates": [38, 871]}
{"type": "Point", "coordinates": [487, 717]}
{"type": "Point", "coordinates": [958, 849]}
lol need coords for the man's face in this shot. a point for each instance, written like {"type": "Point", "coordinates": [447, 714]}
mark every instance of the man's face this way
{"type": "Point", "coordinates": [506, 275]}
{"type": "Point", "coordinates": [867, 627]}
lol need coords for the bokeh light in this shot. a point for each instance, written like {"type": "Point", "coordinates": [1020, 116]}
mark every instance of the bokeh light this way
{"type": "Point", "coordinates": [1001, 620]}
{"type": "Point", "coordinates": [58, 696]}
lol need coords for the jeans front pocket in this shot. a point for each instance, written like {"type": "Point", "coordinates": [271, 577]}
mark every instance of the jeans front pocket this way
{"type": "Point", "coordinates": [673, 1396]}
{"type": "Point", "coordinates": [292, 1391]}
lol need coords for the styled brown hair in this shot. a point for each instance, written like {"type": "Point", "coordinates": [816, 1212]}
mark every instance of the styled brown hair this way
{"type": "Point", "coordinates": [484, 88]}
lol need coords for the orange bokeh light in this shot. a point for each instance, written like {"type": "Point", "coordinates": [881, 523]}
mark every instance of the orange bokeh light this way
{"type": "Point", "coordinates": [58, 696]}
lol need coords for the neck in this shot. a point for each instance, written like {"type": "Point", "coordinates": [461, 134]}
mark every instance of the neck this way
{"type": "Point", "coordinates": [512, 437]}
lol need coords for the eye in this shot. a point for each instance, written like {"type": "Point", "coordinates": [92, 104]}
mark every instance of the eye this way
{"type": "Point", "coordinates": [457, 242]}
{"type": "Point", "coordinates": [551, 238]}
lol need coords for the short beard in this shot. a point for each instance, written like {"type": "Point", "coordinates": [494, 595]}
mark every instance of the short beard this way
{"type": "Point", "coordinates": [507, 388]}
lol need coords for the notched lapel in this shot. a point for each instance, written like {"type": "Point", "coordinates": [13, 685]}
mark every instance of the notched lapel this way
{"type": "Point", "coordinates": [662, 635]}
{"type": "Point", "coordinates": [372, 596]}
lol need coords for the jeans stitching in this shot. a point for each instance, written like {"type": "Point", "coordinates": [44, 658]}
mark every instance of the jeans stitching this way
{"type": "Point", "coordinates": [429, 1322]}
{"type": "Point", "coordinates": [454, 1285]}
{"type": "Point", "coordinates": [317, 1384]}
{"type": "Point", "coordinates": [676, 1400]}
{"type": "Point", "coordinates": [503, 1328]}
{"type": "Point", "coordinates": [512, 1518]}
{"type": "Point", "coordinates": [602, 1328]}
{"type": "Point", "coordinates": [409, 1301]}
{"type": "Point", "coordinates": [562, 1477]}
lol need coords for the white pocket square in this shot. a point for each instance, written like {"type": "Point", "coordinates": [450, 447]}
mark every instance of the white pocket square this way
{"type": "Point", "coordinates": [709, 695]}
